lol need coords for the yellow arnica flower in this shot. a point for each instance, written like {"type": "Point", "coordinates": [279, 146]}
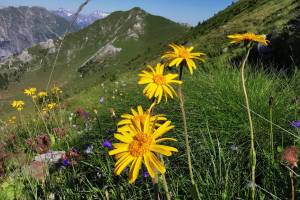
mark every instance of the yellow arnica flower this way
{"type": "Point", "coordinates": [183, 55]}
{"type": "Point", "coordinates": [18, 105]}
{"type": "Point", "coordinates": [158, 84]}
{"type": "Point", "coordinates": [141, 146]}
{"type": "Point", "coordinates": [30, 91]}
{"type": "Point", "coordinates": [248, 37]}
{"type": "Point", "coordinates": [138, 117]}
{"type": "Point", "coordinates": [56, 90]}
{"type": "Point", "coordinates": [51, 106]}
{"type": "Point", "coordinates": [42, 94]}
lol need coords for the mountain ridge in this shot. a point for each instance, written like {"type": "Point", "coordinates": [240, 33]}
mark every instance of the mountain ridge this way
{"type": "Point", "coordinates": [21, 27]}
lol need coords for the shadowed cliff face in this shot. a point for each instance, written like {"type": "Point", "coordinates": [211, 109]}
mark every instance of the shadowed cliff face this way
{"type": "Point", "coordinates": [23, 27]}
{"type": "Point", "coordinates": [284, 50]}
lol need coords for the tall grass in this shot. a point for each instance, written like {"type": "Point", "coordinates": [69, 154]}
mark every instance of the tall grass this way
{"type": "Point", "coordinates": [219, 132]}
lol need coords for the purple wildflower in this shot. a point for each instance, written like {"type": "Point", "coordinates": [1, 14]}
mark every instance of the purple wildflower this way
{"type": "Point", "coordinates": [65, 162]}
{"type": "Point", "coordinates": [296, 124]}
{"type": "Point", "coordinates": [107, 144]}
{"type": "Point", "coordinates": [146, 174]}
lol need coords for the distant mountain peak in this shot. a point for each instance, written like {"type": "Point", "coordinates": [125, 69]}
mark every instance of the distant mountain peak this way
{"type": "Point", "coordinates": [66, 12]}
{"type": "Point", "coordinates": [83, 20]}
{"type": "Point", "coordinates": [137, 9]}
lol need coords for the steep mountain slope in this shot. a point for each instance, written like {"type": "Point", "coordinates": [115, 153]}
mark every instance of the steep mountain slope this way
{"type": "Point", "coordinates": [83, 20]}
{"type": "Point", "coordinates": [101, 51]}
{"type": "Point", "coordinates": [22, 27]}
{"type": "Point", "coordinates": [278, 19]}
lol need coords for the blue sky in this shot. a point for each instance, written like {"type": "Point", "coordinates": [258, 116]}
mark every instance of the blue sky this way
{"type": "Point", "coordinates": [187, 11]}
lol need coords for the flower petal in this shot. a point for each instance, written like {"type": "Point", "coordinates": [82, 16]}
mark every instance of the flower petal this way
{"type": "Point", "coordinates": [134, 169]}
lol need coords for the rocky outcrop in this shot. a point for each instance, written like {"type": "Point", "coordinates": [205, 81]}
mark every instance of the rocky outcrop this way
{"type": "Point", "coordinates": [22, 27]}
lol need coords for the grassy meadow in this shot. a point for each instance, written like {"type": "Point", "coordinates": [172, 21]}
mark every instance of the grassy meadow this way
{"type": "Point", "coordinates": [217, 124]}
{"type": "Point", "coordinates": [86, 112]}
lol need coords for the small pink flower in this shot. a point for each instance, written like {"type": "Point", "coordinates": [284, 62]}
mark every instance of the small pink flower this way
{"type": "Point", "coordinates": [290, 156]}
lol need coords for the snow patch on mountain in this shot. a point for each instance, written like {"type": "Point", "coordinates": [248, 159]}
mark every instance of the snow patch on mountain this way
{"type": "Point", "coordinates": [83, 20]}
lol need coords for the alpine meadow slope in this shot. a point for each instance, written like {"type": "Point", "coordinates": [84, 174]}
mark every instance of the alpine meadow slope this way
{"type": "Point", "coordinates": [98, 70]}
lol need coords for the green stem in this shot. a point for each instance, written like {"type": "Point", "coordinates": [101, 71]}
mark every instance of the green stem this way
{"type": "Point", "coordinates": [156, 187]}
{"type": "Point", "coordinates": [292, 185]}
{"type": "Point", "coordinates": [106, 195]}
{"type": "Point", "coordinates": [180, 72]}
{"type": "Point", "coordinates": [165, 183]}
{"type": "Point", "coordinates": [186, 135]}
{"type": "Point", "coordinates": [252, 149]}
{"type": "Point", "coordinates": [41, 116]}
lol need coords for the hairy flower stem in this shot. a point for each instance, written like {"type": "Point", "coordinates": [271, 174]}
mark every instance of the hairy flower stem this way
{"type": "Point", "coordinates": [292, 185]}
{"type": "Point", "coordinates": [186, 135]}
{"type": "Point", "coordinates": [165, 183]}
{"type": "Point", "coordinates": [252, 149]}
{"type": "Point", "coordinates": [41, 116]}
{"type": "Point", "coordinates": [156, 187]}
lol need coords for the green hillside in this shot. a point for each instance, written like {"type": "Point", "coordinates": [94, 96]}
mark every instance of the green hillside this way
{"type": "Point", "coordinates": [85, 57]}
{"type": "Point", "coordinates": [261, 16]}
{"type": "Point", "coordinates": [216, 116]}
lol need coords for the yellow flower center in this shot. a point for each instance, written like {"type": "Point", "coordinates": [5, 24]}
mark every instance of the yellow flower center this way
{"type": "Point", "coordinates": [140, 145]}
{"type": "Point", "coordinates": [159, 79]}
{"type": "Point", "coordinates": [184, 54]}
{"type": "Point", "coordinates": [249, 37]}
